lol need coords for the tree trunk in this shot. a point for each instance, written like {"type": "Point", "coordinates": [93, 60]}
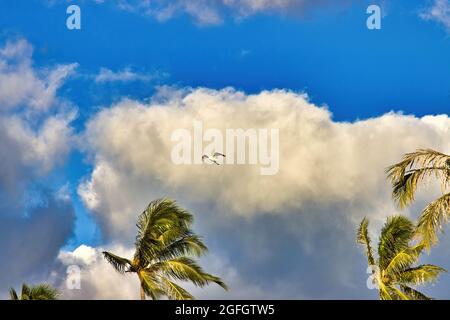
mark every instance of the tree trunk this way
{"type": "Point", "coordinates": [142, 294]}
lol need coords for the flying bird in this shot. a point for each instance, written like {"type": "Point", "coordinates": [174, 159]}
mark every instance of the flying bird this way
{"type": "Point", "coordinates": [213, 158]}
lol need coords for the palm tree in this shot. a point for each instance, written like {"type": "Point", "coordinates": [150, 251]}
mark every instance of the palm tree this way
{"type": "Point", "coordinates": [418, 168]}
{"type": "Point", "coordinates": [394, 273]}
{"type": "Point", "coordinates": [165, 245]}
{"type": "Point", "coordinates": [37, 292]}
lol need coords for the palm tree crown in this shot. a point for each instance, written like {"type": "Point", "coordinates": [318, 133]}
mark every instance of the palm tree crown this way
{"type": "Point", "coordinates": [393, 272]}
{"type": "Point", "coordinates": [37, 292]}
{"type": "Point", "coordinates": [416, 168]}
{"type": "Point", "coordinates": [164, 247]}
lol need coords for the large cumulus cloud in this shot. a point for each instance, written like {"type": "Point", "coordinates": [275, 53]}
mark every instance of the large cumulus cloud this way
{"type": "Point", "coordinates": [294, 229]}
{"type": "Point", "coordinates": [35, 138]}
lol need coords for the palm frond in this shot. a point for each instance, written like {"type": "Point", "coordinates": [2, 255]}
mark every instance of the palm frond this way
{"type": "Point", "coordinates": [363, 238]}
{"type": "Point", "coordinates": [159, 217]}
{"type": "Point", "coordinates": [396, 260]}
{"type": "Point", "coordinates": [13, 294]}
{"type": "Point", "coordinates": [164, 243]}
{"type": "Point", "coordinates": [217, 280]}
{"type": "Point", "coordinates": [432, 219]}
{"type": "Point", "coordinates": [150, 284]}
{"type": "Point", "coordinates": [422, 274]}
{"type": "Point", "coordinates": [414, 294]}
{"type": "Point", "coordinates": [43, 292]}
{"type": "Point", "coordinates": [26, 292]}
{"type": "Point", "coordinates": [416, 167]}
{"type": "Point", "coordinates": [173, 234]}
{"type": "Point", "coordinates": [403, 260]}
{"type": "Point", "coordinates": [37, 292]}
{"type": "Point", "coordinates": [395, 236]}
{"type": "Point", "coordinates": [174, 291]}
{"type": "Point", "coordinates": [397, 294]}
{"type": "Point", "coordinates": [384, 292]}
{"type": "Point", "coordinates": [120, 264]}
{"type": "Point", "coordinates": [187, 244]}
{"type": "Point", "coordinates": [186, 269]}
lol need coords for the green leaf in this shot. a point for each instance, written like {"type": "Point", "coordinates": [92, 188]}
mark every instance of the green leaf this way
{"type": "Point", "coordinates": [403, 260]}
{"type": "Point", "coordinates": [159, 217]}
{"type": "Point", "coordinates": [13, 294]}
{"type": "Point", "coordinates": [38, 292]}
{"type": "Point", "coordinates": [175, 292]}
{"type": "Point", "coordinates": [421, 274]}
{"type": "Point", "coordinates": [363, 238]}
{"type": "Point", "coordinates": [150, 284]}
{"type": "Point", "coordinates": [186, 269]}
{"type": "Point", "coordinates": [432, 219]}
{"type": "Point", "coordinates": [414, 294]}
{"type": "Point", "coordinates": [120, 264]}
{"type": "Point", "coordinates": [395, 236]}
{"type": "Point", "coordinates": [415, 168]}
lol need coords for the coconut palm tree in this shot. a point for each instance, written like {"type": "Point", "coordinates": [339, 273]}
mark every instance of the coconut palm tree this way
{"type": "Point", "coordinates": [164, 249]}
{"type": "Point", "coordinates": [37, 292]}
{"type": "Point", "coordinates": [418, 168]}
{"type": "Point", "coordinates": [394, 272]}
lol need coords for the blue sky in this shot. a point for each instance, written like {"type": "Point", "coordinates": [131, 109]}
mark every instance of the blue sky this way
{"type": "Point", "coordinates": [400, 67]}
{"type": "Point", "coordinates": [324, 51]}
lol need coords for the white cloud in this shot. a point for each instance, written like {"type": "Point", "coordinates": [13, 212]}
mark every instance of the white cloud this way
{"type": "Point", "coordinates": [83, 255]}
{"type": "Point", "coordinates": [98, 278]}
{"type": "Point", "coordinates": [100, 281]}
{"type": "Point", "coordinates": [331, 175]}
{"type": "Point", "coordinates": [321, 161]}
{"type": "Point", "coordinates": [20, 49]}
{"type": "Point", "coordinates": [35, 137]}
{"type": "Point", "coordinates": [124, 75]}
{"type": "Point", "coordinates": [438, 12]}
{"type": "Point", "coordinates": [22, 85]}
{"type": "Point", "coordinates": [46, 146]}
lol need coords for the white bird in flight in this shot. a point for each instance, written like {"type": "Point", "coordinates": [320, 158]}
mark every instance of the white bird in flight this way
{"type": "Point", "coordinates": [213, 158]}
